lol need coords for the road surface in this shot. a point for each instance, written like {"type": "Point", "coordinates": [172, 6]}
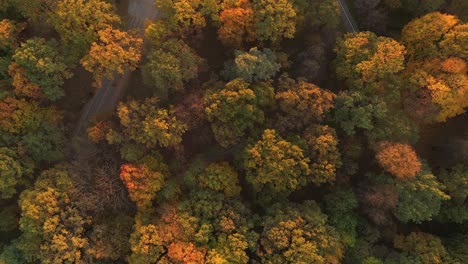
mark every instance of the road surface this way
{"type": "Point", "coordinates": [105, 99]}
{"type": "Point", "coordinates": [350, 23]}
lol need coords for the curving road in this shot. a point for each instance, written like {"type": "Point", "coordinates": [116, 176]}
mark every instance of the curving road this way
{"type": "Point", "coordinates": [105, 99]}
{"type": "Point", "coordinates": [350, 23]}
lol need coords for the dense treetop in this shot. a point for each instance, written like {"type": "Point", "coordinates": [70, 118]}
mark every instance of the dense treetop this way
{"type": "Point", "coordinates": [233, 131]}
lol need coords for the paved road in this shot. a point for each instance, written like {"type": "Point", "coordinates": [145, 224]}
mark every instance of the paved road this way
{"type": "Point", "coordinates": [348, 20]}
{"type": "Point", "coordinates": [105, 99]}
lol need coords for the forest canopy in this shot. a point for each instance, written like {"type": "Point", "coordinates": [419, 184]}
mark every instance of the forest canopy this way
{"type": "Point", "coordinates": [233, 131]}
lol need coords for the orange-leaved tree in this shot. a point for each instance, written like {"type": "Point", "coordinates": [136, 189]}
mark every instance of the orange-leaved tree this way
{"type": "Point", "coordinates": [142, 183]}
{"type": "Point", "coordinates": [398, 159]}
{"type": "Point", "coordinates": [436, 72]}
{"type": "Point", "coordinates": [9, 31]}
{"type": "Point", "coordinates": [114, 52]}
{"type": "Point", "coordinates": [237, 24]}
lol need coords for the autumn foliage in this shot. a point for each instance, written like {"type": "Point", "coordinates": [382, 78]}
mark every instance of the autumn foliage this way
{"type": "Point", "coordinates": [237, 24]}
{"type": "Point", "coordinates": [304, 104]}
{"type": "Point", "coordinates": [325, 158]}
{"type": "Point", "coordinates": [274, 164]}
{"type": "Point", "coordinates": [220, 177]}
{"type": "Point", "coordinates": [38, 70]}
{"type": "Point", "coordinates": [382, 200]}
{"type": "Point", "coordinates": [437, 69]}
{"type": "Point", "coordinates": [398, 159]}
{"type": "Point", "coordinates": [97, 133]}
{"type": "Point", "coordinates": [141, 182]}
{"type": "Point", "coordinates": [239, 131]}
{"type": "Point", "coordinates": [9, 31]}
{"type": "Point", "coordinates": [113, 53]}
{"type": "Point", "coordinates": [233, 111]}
{"type": "Point", "coordinates": [147, 124]}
